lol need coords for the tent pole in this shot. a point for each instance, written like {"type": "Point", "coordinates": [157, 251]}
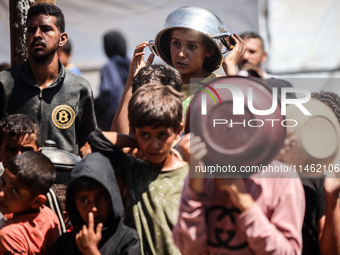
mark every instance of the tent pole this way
{"type": "Point", "coordinates": [17, 19]}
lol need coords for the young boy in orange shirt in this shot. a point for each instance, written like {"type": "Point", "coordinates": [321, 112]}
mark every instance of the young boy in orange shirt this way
{"type": "Point", "coordinates": [20, 133]}
{"type": "Point", "coordinates": [23, 188]}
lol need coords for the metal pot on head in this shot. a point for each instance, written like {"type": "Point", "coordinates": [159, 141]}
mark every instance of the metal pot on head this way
{"type": "Point", "coordinates": [199, 19]}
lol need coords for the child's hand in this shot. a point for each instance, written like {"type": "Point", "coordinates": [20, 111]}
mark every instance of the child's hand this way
{"type": "Point", "coordinates": [237, 191]}
{"type": "Point", "coordinates": [87, 239]}
{"type": "Point", "coordinates": [229, 63]}
{"type": "Point", "coordinates": [137, 61]}
{"type": "Point", "coordinates": [288, 144]}
{"type": "Point", "coordinates": [332, 187]}
{"type": "Point", "coordinates": [85, 150]}
{"type": "Point", "coordinates": [192, 148]}
{"type": "Point", "coordinates": [176, 153]}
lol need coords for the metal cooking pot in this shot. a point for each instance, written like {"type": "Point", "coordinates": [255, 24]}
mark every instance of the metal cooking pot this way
{"type": "Point", "coordinates": [201, 20]}
{"type": "Point", "coordinates": [237, 139]}
{"type": "Point", "coordinates": [62, 160]}
{"type": "Point", "coordinates": [317, 139]}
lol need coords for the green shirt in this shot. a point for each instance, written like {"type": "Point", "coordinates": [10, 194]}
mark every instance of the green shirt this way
{"type": "Point", "coordinates": [152, 198]}
{"type": "Point", "coordinates": [155, 202]}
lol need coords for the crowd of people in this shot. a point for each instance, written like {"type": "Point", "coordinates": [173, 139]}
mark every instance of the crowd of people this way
{"type": "Point", "coordinates": [132, 193]}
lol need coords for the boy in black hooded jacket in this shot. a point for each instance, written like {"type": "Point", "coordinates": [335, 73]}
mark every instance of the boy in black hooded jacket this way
{"type": "Point", "coordinates": [96, 211]}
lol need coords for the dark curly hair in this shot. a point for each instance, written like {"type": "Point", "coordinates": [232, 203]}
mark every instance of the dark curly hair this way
{"type": "Point", "coordinates": [17, 125]}
{"type": "Point", "coordinates": [163, 74]}
{"type": "Point", "coordinates": [33, 170]}
{"type": "Point", "coordinates": [331, 99]}
{"type": "Point", "coordinates": [49, 10]}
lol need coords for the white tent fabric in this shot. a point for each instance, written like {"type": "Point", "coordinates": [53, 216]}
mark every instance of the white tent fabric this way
{"type": "Point", "coordinates": [88, 20]}
{"type": "Point", "coordinates": [138, 20]}
{"type": "Point", "coordinates": [300, 36]}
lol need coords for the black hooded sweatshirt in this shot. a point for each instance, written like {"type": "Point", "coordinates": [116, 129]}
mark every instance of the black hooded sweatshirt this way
{"type": "Point", "coordinates": [116, 237]}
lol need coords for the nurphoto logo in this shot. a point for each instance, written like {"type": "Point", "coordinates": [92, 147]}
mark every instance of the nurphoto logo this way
{"type": "Point", "coordinates": [239, 104]}
{"type": "Point", "coordinates": [239, 98]}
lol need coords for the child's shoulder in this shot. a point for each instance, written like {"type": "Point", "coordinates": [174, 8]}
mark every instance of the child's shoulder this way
{"type": "Point", "coordinates": [47, 212]}
{"type": "Point", "coordinates": [175, 162]}
{"type": "Point", "coordinates": [183, 167]}
{"type": "Point", "coordinates": [43, 215]}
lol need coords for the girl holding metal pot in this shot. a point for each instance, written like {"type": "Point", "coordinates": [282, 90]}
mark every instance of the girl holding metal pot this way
{"type": "Point", "coordinates": [193, 41]}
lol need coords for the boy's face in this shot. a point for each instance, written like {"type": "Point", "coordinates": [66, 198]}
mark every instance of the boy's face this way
{"type": "Point", "coordinates": [14, 197]}
{"type": "Point", "coordinates": [188, 52]}
{"type": "Point", "coordinates": [155, 143]}
{"type": "Point", "coordinates": [97, 201]}
{"type": "Point", "coordinates": [12, 146]}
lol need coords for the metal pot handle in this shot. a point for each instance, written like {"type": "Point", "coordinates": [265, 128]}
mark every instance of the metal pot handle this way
{"type": "Point", "coordinates": [152, 47]}
{"type": "Point", "coordinates": [226, 40]}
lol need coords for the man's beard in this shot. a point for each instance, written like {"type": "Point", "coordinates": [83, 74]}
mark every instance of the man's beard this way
{"type": "Point", "coordinates": [45, 58]}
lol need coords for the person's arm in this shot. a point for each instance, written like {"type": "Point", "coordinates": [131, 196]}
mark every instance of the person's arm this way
{"type": "Point", "coordinates": [189, 234]}
{"type": "Point", "coordinates": [108, 146]}
{"type": "Point", "coordinates": [230, 61]}
{"type": "Point", "coordinates": [120, 122]}
{"type": "Point", "coordinates": [281, 232]}
{"type": "Point", "coordinates": [238, 193]}
{"type": "Point", "coordinates": [121, 140]}
{"type": "Point", "coordinates": [84, 150]}
{"type": "Point", "coordinates": [12, 240]}
{"type": "Point", "coordinates": [330, 239]}
{"type": "Point", "coordinates": [88, 123]}
{"type": "Point", "coordinates": [108, 141]}
{"type": "Point", "coordinates": [193, 151]}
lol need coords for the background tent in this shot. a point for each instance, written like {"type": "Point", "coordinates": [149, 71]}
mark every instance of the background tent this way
{"type": "Point", "coordinates": [300, 36]}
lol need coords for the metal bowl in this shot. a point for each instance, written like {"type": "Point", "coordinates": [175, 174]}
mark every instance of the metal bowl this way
{"type": "Point", "coordinates": [317, 139]}
{"type": "Point", "coordinates": [237, 144]}
{"type": "Point", "coordinates": [201, 20]}
{"type": "Point", "coordinates": [62, 160]}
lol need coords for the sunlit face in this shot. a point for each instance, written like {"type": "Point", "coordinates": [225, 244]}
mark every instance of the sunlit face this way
{"type": "Point", "coordinates": [42, 37]}
{"type": "Point", "coordinates": [97, 201]}
{"type": "Point", "coordinates": [155, 143]}
{"type": "Point", "coordinates": [14, 197]}
{"type": "Point", "coordinates": [12, 146]}
{"type": "Point", "coordinates": [254, 55]}
{"type": "Point", "coordinates": [188, 52]}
